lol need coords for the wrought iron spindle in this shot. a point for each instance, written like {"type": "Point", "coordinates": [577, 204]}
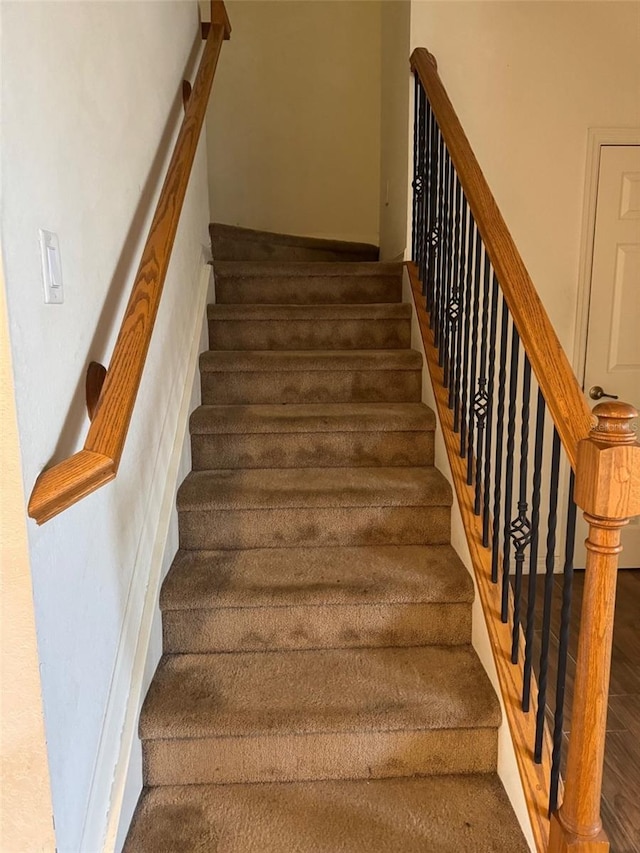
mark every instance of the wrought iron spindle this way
{"type": "Point", "coordinates": [548, 595]}
{"type": "Point", "coordinates": [437, 290]}
{"type": "Point", "coordinates": [415, 221]}
{"type": "Point", "coordinates": [446, 265]}
{"type": "Point", "coordinates": [521, 525]}
{"type": "Point", "coordinates": [474, 355]}
{"type": "Point", "coordinates": [481, 400]}
{"type": "Point", "coordinates": [468, 288]}
{"type": "Point", "coordinates": [432, 238]}
{"type": "Point", "coordinates": [454, 301]}
{"type": "Point", "coordinates": [497, 488]}
{"type": "Point", "coordinates": [565, 620]}
{"type": "Point", "coordinates": [533, 552]}
{"type": "Point", "coordinates": [508, 482]}
{"type": "Point", "coordinates": [425, 213]}
{"type": "Point", "coordinates": [489, 420]}
{"type": "Point", "coordinates": [461, 311]}
{"type": "Point", "coordinates": [420, 184]}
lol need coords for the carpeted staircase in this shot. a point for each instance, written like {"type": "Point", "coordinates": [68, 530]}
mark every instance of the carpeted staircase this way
{"type": "Point", "coordinates": [318, 691]}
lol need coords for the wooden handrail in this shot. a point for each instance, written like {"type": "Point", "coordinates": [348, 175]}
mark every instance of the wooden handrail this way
{"type": "Point", "coordinates": [67, 482]}
{"type": "Point", "coordinates": [563, 395]}
{"type": "Point", "coordinates": [604, 454]}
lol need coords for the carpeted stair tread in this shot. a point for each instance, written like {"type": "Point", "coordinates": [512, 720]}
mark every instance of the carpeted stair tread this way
{"type": "Point", "coordinates": [362, 311]}
{"type": "Point", "coordinates": [234, 242]}
{"type": "Point", "coordinates": [285, 577]}
{"type": "Point", "coordinates": [277, 326]}
{"type": "Point", "coordinates": [304, 270]}
{"type": "Point", "coordinates": [441, 814]}
{"type": "Point", "coordinates": [276, 488]}
{"type": "Point", "coordinates": [311, 418]}
{"type": "Point", "coordinates": [321, 691]}
{"type": "Point", "coordinates": [271, 361]}
{"type": "Point", "coordinates": [307, 284]}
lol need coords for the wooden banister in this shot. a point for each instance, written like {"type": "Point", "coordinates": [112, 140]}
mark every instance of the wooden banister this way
{"type": "Point", "coordinates": [77, 476]}
{"type": "Point", "coordinates": [605, 458]}
{"type": "Point", "coordinates": [608, 490]}
{"type": "Point", "coordinates": [564, 397]}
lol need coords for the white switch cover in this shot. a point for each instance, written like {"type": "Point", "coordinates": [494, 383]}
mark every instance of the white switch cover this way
{"type": "Point", "coordinates": [51, 267]}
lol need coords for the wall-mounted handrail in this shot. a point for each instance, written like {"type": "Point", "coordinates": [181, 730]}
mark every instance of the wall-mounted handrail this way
{"type": "Point", "coordinates": [567, 405]}
{"type": "Point", "coordinates": [97, 463]}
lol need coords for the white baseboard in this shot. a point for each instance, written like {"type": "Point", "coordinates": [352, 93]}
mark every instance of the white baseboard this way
{"type": "Point", "coordinates": [102, 818]}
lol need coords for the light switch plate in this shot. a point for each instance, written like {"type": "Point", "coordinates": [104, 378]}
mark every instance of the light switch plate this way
{"type": "Point", "coordinates": [51, 267]}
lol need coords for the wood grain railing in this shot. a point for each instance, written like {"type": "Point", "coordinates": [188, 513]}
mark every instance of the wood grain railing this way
{"type": "Point", "coordinates": [485, 332]}
{"type": "Point", "coordinates": [62, 485]}
{"type": "Point", "coordinates": [561, 389]}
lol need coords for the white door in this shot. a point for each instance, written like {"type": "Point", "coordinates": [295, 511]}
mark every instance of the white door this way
{"type": "Point", "coordinates": [613, 337]}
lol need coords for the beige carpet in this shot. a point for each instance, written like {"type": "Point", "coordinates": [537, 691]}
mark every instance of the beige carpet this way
{"type": "Point", "coordinates": [318, 690]}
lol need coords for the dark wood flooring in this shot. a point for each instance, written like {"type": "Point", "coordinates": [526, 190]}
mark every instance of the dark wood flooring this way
{"type": "Point", "coordinates": [621, 783]}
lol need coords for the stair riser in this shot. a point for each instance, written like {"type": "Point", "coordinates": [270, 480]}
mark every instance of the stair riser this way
{"type": "Point", "coordinates": [351, 755]}
{"type": "Point", "coordinates": [289, 290]}
{"type": "Point", "coordinates": [312, 386]}
{"type": "Point", "coordinates": [309, 334]}
{"type": "Point", "coordinates": [311, 450]}
{"type": "Point", "coordinates": [314, 527]}
{"type": "Point", "coordinates": [317, 627]}
{"type": "Point", "coordinates": [248, 250]}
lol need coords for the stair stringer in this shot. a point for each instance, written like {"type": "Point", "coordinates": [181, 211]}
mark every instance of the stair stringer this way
{"type": "Point", "coordinates": [507, 763]}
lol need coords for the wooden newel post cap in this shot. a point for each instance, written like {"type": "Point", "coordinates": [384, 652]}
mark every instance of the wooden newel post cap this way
{"type": "Point", "coordinates": [615, 423]}
{"type": "Point", "coordinates": [608, 469]}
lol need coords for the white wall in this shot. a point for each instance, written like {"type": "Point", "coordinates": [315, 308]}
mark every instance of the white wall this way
{"type": "Point", "coordinates": [394, 127]}
{"type": "Point", "coordinates": [91, 104]}
{"type": "Point", "coordinates": [527, 80]}
{"type": "Point", "coordinates": [294, 127]}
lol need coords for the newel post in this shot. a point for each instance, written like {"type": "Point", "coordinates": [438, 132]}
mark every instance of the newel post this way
{"type": "Point", "coordinates": [608, 490]}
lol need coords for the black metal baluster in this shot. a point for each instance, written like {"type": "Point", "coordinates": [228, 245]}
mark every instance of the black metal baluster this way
{"type": "Point", "coordinates": [490, 390]}
{"type": "Point", "coordinates": [447, 326]}
{"type": "Point", "coordinates": [454, 302]}
{"type": "Point", "coordinates": [533, 553]}
{"type": "Point", "coordinates": [437, 302]}
{"type": "Point", "coordinates": [468, 288]}
{"type": "Point", "coordinates": [420, 187]}
{"type": "Point", "coordinates": [430, 248]}
{"type": "Point", "coordinates": [446, 267]}
{"type": "Point", "coordinates": [423, 184]}
{"type": "Point", "coordinates": [461, 311]}
{"type": "Point", "coordinates": [508, 470]}
{"type": "Point", "coordinates": [521, 525]}
{"type": "Point", "coordinates": [474, 355]}
{"type": "Point", "coordinates": [548, 596]}
{"type": "Point", "coordinates": [481, 399]}
{"type": "Point", "coordinates": [416, 169]}
{"type": "Point", "coordinates": [565, 620]}
{"type": "Point", "coordinates": [432, 201]}
{"type": "Point", "coordinates": [497, 488]}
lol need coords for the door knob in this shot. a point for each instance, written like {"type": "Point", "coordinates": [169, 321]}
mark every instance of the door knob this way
{"type": "Point", "coordinates": [597, 393]}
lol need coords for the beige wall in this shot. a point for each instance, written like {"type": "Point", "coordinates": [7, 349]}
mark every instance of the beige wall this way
{"type": "Point", "coordinates": [294, 122]}
{"type": "Point", "coordinates": [394, 127]}
{"type": "Point", "coordinates": [91, 105]}
{"type": "Point", "coordinates": [26, 815]}
{"type": "Point", "coordinates": [527, 80]}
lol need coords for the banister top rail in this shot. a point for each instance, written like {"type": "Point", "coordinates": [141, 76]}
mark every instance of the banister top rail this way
{"type": "Point", "coordinates": [564, 397]}
{"type": "Point", "coordinates": [77, 476]}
